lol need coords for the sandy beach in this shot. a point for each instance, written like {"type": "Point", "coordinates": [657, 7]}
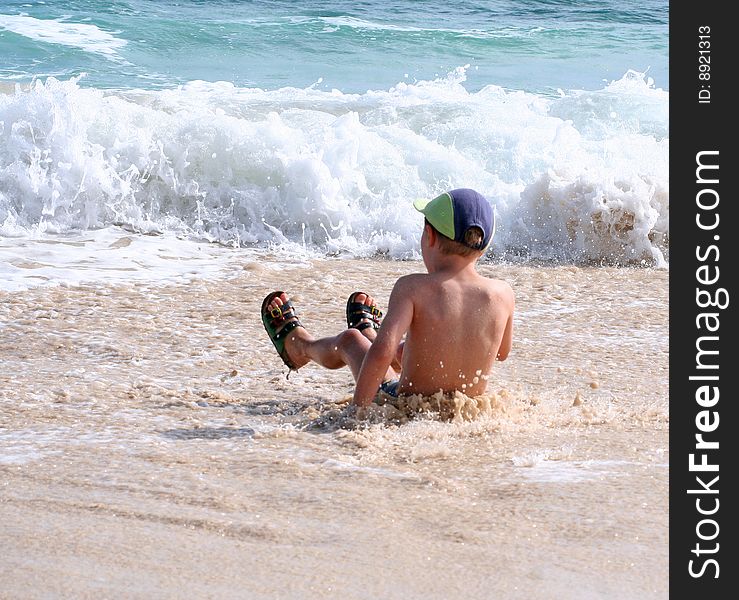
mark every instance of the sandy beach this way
{"type": "Point", "coordinates": [165, 165]}
{"type": "Point", "coordinates": [152, 447]}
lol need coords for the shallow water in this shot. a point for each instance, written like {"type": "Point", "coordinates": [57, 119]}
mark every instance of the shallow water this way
{"type": "Point", "coordinates": [150, 445]}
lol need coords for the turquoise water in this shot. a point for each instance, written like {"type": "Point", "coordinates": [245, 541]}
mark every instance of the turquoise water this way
{"type": "Point", "coordinates": [350, 46]}
{"type": "Point", "coordinates": [314, 126]}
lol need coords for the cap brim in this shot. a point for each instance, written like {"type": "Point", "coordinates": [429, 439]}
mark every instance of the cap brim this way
{"type": "Point", "coordinates": [420, 204]}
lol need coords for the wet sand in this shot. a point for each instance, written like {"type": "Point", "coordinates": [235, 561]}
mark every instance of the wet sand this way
{"type": "Point", "coordinates": [151, 447]}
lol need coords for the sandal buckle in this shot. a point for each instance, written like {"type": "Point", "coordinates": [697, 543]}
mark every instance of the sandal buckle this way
{"type": "Point", "coordinates": [276, 312]}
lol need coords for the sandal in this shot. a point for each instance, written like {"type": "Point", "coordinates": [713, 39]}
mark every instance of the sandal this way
{"type": "Point", "coordinates": [277, 328]}
{"type": "Point", "coordinates": [357, 314]}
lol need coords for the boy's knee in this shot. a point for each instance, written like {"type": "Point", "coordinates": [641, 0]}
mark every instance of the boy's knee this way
{"type": "Point", "coordinates": [351, 336]}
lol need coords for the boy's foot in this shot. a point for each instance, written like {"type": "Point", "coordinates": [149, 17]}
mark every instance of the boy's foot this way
{"type": "Point", "coordinates": [362, 314]}
{"type": "Point", "coordinates": [284, 329]}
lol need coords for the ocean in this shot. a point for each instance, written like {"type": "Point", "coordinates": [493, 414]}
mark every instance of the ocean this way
{"type": "Point", "coordinates": [164, 165]}
{"type": "Point", "coordinates": [315, 127]}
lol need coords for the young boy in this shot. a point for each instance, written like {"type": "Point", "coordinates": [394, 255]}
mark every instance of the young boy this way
{"type": "Point", "coordinates": [456, 322]}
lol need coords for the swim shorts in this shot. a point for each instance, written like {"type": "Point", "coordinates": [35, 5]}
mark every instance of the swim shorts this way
{"type": "Point", "coordinates": [390, 387]}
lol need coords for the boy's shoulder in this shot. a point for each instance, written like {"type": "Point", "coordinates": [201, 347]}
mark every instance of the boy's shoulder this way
{"type": "Point", "coordinates": [501, 284]}
{"type": "Point", "coordinates": [412, 284]}
{"type": "Point", "coordinates": [412, 281]}
{"type": "Point", "coordinates": [411, 278]}
{"type": "Point", "coordinates": [500, 288]}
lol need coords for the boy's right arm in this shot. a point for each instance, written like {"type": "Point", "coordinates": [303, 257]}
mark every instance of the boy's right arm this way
{"type": "Point", "coordinates": [385, 346]}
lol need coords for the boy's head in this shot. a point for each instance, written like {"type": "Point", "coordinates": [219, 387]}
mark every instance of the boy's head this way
{"type": "Point", "coordinates": [463, 218]}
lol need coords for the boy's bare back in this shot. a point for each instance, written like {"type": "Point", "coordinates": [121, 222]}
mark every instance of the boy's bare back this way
{"type": "Point", "coordinates": [460, 324]}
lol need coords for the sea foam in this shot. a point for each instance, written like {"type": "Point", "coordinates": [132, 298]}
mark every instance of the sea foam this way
{"type": "Point", "coordinates": [582, 176]}
{"type": "Point", "coordinates": [84, 36]}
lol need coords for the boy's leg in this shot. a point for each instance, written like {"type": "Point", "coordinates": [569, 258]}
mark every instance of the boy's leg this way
{"type": "Point", "coordinates": [346, 349]}
{"type": "Point", "coordinates": [371, 333]}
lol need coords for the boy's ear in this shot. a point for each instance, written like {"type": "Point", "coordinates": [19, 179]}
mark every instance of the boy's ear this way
{"type": "Point", "coordinates": [431, 234]}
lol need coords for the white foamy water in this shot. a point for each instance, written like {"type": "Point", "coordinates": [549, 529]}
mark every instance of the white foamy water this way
{"type": "Point", "coordinates": [108, 255]}
{"type": "Point", "coordinates": [362, 24]}
{"type": "Point", "coordinates": [84, 36]}
{"type": "Point", "coordinates": [579, 177]}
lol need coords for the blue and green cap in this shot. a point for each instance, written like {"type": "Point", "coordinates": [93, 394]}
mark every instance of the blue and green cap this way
{"type": "Point", "coordinates": [454, 212]}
